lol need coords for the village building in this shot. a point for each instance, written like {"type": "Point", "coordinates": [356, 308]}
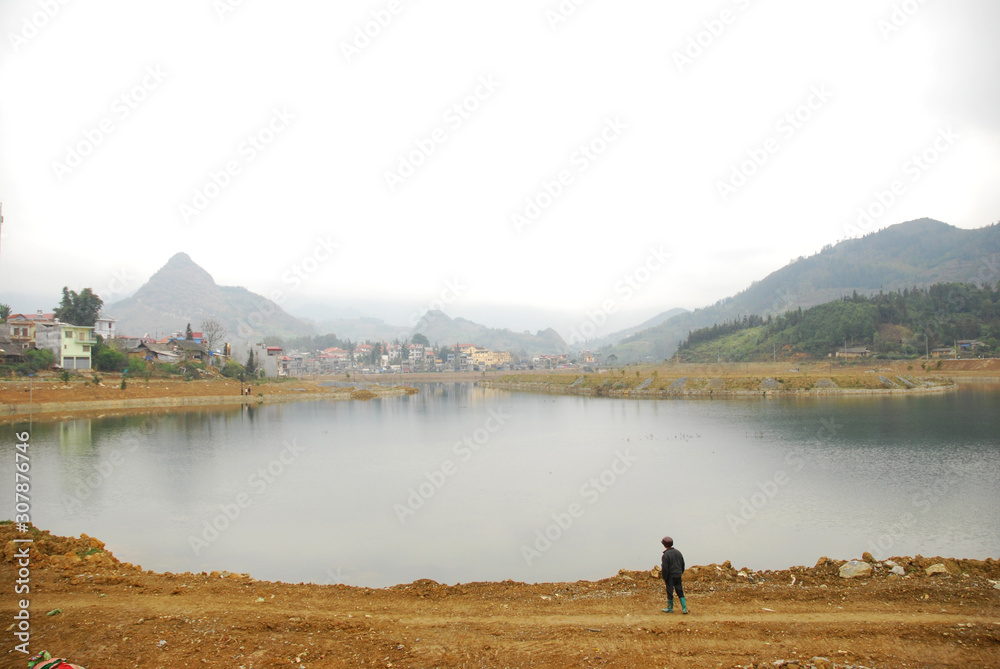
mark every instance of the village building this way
{"type": "Point", "coordinates": [105, 326]}
{"type": "Point", "coordinates": [856, 352]}
{"type": "Point", "coordinates": [23, 327]}
{"type": "Point", "coordinates": [70, 344]}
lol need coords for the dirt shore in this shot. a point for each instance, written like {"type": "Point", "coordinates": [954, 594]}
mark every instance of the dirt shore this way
{"type": "Point", "coordinates": [49, 398]}
{"type": "Point", "coordinates": [106, 615]}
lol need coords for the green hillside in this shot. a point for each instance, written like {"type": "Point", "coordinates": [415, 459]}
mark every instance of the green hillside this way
{"type": "Point", "coordinates": [917, 253]}
{"type": "Point", "coordinates": [900, 324]}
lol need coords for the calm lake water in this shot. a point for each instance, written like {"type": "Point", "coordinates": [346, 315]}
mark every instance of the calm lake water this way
{"type": "Point", "coordinates": [461, 483]}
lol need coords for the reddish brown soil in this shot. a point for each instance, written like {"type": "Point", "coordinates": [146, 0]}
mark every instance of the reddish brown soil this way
{"type": "Point", "coordinates": [82, 389]}
{"type": "Point", "coordinates": [117, 615]}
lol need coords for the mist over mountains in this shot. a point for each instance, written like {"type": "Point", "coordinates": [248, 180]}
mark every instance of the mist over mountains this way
{"type": "Point", "coordinates": [917, 253]}
{"type": "Point", "coordinates": [182, 292]}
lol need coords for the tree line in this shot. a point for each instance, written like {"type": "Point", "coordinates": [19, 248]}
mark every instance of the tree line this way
{"type": "Point", "coordinates": [904, 323]}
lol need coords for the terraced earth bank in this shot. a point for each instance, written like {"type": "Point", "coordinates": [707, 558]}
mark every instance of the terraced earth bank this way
{"type": "Point", "coordinates": [937, 612]}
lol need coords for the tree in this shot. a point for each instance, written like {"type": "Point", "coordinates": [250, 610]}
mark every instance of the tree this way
{"type": "Point", "coordinates": [420, 339]}
{"type": "Point", "coordinates": [213, 333]}
{"type": "Point", "coordinates": [251, 366]}
{"type": "Point", "coordinates": [107, 359]}
{"type": "Point", "coordinates": [4, 312]}
{"type": "Point", "coordinates": [188, 334]}
{"type": "Point", "coordinates": [35, 360]}
{"type": "Point", "coordinates": [78, 309]}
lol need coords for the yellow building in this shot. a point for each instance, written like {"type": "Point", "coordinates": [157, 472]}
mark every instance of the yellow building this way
{"type": "Point", "coordinates": [486, 358]}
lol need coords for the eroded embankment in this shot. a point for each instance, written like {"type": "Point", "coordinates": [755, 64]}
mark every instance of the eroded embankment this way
{"type": "Point", "coordinates": [44, 410]}
{"type": "Point", "coordinates": [88, 606]}
{"type": "Point", "coordinates": [644, 386]}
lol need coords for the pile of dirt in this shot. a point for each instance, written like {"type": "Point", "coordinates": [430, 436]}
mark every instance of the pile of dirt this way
{"type": "Point", "coordinates": [109, 614]}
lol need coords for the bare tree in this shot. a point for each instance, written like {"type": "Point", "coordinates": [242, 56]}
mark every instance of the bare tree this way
{"type": "Point", "coordinates": [213, 333]}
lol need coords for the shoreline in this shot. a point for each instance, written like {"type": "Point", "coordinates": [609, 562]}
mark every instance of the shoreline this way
{"type": "Point", "coordinates": [647, 385]}
{"type": "Point", "coordinates": [707, 386]}
{"type": "Point", "coordinates": [902, 611]}
{"type": "Point", "coordinates": [51, 411]}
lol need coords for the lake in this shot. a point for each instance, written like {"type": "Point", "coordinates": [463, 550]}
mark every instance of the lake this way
{"type": "Point", "coordinates": [461, 483]}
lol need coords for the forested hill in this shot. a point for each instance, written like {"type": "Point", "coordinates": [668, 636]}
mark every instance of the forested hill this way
{"type": "Point", "coordinates": [896, 324]}
{"type": "Point", "coordinates": [917, 253]}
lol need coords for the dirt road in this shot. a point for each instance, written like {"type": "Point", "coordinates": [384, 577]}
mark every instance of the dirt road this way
{"type": "Point", "coordinates": [116, 615]}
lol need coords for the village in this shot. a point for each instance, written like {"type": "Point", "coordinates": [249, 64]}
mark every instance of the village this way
{"type": "Point", "coordinates": [72, 348]}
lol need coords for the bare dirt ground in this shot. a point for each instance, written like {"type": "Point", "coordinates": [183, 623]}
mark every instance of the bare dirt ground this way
{"type": "Point", "coordinates": [111, 615]}
{"type": "Point", "coordinates": [50, 388]}
{"type": "Point", "coordinates": [49, 398]}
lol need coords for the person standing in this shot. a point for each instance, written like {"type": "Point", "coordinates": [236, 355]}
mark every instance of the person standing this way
{"type": "Point", "coordinates": [672, 569]}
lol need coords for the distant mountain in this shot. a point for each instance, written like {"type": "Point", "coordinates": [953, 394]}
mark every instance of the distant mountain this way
{"type": "Point", "coordinates": [444, 331]}
{"type": "Point", "coordinates": [601, 342]}
{"type": "Point", "coordinates": [181, 292]}
{"type": "Point", "coordinates": [917, 253]}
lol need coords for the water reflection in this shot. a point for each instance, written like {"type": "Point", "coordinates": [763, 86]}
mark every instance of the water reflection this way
{"type": "Point", "coordinates": [482, 473]}
{"type": "Point", "coordinates": [75, 436]}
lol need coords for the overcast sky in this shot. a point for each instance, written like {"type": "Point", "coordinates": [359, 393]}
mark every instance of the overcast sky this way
{"type": "Point", "coordinates": [519, 163]}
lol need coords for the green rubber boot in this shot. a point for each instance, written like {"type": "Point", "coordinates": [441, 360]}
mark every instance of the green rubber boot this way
{"type": "Point", "coordinates": [684, 606]}
{"type": "Point", "coordinates": [670, 606]}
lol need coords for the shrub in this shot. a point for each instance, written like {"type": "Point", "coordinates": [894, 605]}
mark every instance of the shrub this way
{"type": "Point", "coordinates": [108, 359]}
{"type": "Point", "coordinates": [137, 367]}
{"type": "Point", "coordinates": [232, 370]}
{"type": "Point", "coordinates": [35, 360]}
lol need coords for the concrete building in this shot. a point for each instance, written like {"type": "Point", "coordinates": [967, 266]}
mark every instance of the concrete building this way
{"type": "Point", "coordinates": [70, 344]}
{"type": "Point", "coordinates": [268, 358]}
{"type": "Point", "coordinates": [105, 326]}
{"type": "Point", "coordinates": [23, 327]}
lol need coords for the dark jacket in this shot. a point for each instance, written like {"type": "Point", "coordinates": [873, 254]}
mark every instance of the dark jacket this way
{"type": "Point", "coordinates": [672, 563]}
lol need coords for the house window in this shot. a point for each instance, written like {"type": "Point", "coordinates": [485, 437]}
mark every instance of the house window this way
{"type": "Point", "coordinates": [69, 334]}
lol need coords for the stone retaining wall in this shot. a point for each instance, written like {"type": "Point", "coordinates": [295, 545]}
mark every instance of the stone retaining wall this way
{"type": "Point", "coordinates": [560, 389]}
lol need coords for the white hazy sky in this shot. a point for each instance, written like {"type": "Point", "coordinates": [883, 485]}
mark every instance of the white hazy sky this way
{"type": "Point", "coordinates": [115, 115]}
